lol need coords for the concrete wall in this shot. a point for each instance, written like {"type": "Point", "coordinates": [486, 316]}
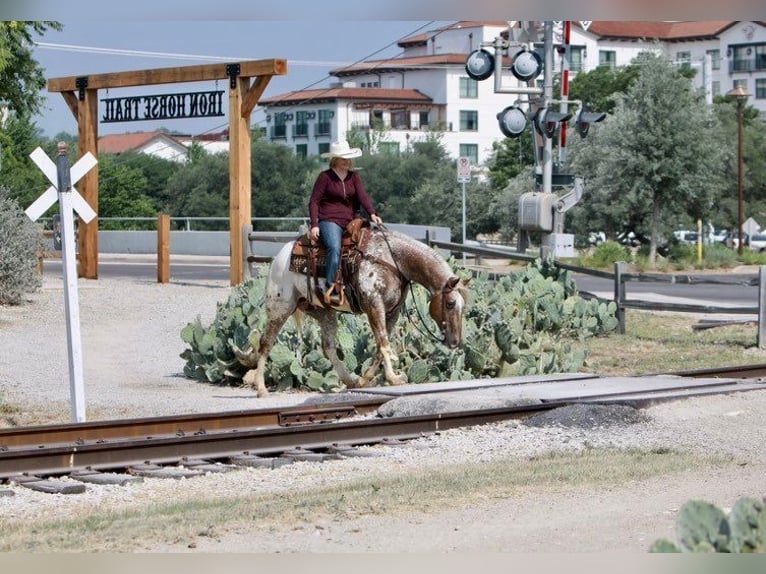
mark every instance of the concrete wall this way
{"type": "Point", "coordinates": [217, 242]}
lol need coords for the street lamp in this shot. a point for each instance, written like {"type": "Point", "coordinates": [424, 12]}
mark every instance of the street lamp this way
{"type": "Point", "coordinates": [740, 94]}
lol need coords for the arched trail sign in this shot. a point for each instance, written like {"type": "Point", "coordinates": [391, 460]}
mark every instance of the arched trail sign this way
{"type": "Point", "coordinates": [247, 82]}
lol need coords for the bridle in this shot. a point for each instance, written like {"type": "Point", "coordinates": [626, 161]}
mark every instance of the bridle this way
{"type": "Point", "coordinates": [442, 305]}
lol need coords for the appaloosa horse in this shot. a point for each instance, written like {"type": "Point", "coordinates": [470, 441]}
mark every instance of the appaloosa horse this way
{"type": "Point", "coordinates": [388, 261]}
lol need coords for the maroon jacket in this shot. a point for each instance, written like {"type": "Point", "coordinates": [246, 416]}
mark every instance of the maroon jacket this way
{"type": "Point", "coordinates": [336, 200]}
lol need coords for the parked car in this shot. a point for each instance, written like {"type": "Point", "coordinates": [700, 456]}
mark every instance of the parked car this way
{"type": "Point", "coordinates": [758, 242]}
{"type": "Point", "coordinates": [732, 239]}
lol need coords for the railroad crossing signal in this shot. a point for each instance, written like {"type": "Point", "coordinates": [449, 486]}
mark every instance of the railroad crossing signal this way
{"type": "Point", "coordinates": [70, 201]}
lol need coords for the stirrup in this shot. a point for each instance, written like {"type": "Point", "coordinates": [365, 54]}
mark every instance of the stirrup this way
{"type": "Point", "coordinates": [334, 295]}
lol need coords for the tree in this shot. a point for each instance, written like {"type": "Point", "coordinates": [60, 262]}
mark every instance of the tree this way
{"type": "Point", "coordinates": [122, 194]}
{"type": "Point", "coordinates": [22, 178]}
{"type": "Point", "coordinates": [659, 155]}
{"type": "Point", "coordinates": [21, 78]}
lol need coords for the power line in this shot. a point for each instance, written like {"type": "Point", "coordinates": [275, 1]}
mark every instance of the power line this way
{"type": "Point", "coordinates": [169, 55]}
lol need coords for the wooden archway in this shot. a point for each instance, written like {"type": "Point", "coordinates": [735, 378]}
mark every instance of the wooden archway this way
{"type": "Point", "coordinates": [247, 82]}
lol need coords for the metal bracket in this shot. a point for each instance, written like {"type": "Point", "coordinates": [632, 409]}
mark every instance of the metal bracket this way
{"type": "Point", "coordinates": [232, 70]}
{"type": "Point", "coordinates": [81, 83]}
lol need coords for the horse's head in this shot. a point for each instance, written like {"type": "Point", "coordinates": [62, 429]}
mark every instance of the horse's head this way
{"type": "Point", "coordinates": [447, 307]}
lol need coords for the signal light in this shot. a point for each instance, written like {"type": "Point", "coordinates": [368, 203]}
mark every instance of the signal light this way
{"type": "Point", "coordinates": [547, 120]}
{"type": "Point", "coordinates": [480, 65]}
{"type": "Point", "coordinates": [526, 65]}
{"type": "Point", "coordinates": [513, 122]}
{"type": "Point", "coordinates": [584, 118]}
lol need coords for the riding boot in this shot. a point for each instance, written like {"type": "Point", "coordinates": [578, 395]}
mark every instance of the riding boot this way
{"type": "Point", "coordinates": [334, 295]}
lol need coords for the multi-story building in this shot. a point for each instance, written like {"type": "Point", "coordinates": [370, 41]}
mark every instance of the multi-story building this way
{"type": "Point", "coordinates": [426, 90]}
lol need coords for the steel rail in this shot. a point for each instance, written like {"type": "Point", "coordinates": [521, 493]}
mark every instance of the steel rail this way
{"type": "Point", "coordinates": [35, 436]}
{"type": "Point", "coordinates": [223, 444]}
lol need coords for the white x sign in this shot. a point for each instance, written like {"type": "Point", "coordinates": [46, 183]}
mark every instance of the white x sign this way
{"type": "Point", "coordinates": [69, 202]}
{"type": "Point", "coordinates": [48, 198]}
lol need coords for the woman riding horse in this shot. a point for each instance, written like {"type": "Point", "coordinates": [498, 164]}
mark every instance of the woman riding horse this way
{"type": "Point", "coordinates": [389, 262]}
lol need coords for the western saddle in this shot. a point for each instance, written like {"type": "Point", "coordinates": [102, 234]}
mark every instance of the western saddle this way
{"type": "Point", "coordinates": [309, 258]}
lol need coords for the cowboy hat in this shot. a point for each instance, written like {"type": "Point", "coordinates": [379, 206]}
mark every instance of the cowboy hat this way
{"type": "Point", "coordinates": [341, 149]}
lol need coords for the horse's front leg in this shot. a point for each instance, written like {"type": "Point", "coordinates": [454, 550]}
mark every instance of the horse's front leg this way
{"type": "Point", "coordinates": [380, 329]}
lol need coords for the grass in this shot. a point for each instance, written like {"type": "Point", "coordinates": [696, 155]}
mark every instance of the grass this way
{"type": "Point", "coordinates": [661, 342]}
{"type": "Point", "coordinates": [418, 491]}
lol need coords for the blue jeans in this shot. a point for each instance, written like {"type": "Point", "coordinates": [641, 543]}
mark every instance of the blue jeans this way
{"type": "Point", "coordinates": [331, 235]}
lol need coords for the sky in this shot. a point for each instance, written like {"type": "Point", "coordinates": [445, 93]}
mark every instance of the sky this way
{"type": "Point", "coordinates": [311, 51]}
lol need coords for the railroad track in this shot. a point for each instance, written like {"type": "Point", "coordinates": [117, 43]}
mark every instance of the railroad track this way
{"type": "Point", "coordinates": [120, 450]}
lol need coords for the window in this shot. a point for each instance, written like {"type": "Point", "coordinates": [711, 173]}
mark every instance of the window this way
{"type": "Point", "coordinates": [302, 150]}
{"type": "Point", "coordinates": [740, 84]}
{"type": "Point", "coordinates": [280, 125]}
{"type": "Point", "coordinates": [376, 119]}
{"type": "Point", "coordinates": [741, 59]}
{"type": "Point", "coordinates": [760, 57]}
{"type": "Point", "coordinates": [576, 56]}
{"type": "Point", "coordinates": [423, 120]}
{"type": "Point", "coordinates": [388, 148]}
{"type": "Point", "coordinates": [716, 88]}
{"type": "Point", "coordinates": [400, 119]}
{"type": "Point", "coordinates": [470, 151]}
{"type": "Point", "coordinates": [715, 58]}
{"type": "Point", "coordinates": [760, 88]}
{"type": "Point", "coordinates": [684, 59]}
{"type": "Point", "coordinates": [469, 88]}
{"type": "Point", "coordinates": [323, 122]}
{"type": "Point", "coordinates": [469, 121]}
{"type": "Point", "coordinates": [324, 148]}
{"type": "Point", "coordinates": [301, 127]}
{"type": "Point", "coordinates": [607, 58]}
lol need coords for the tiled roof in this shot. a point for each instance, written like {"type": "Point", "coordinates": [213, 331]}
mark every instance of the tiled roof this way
{"type": "Point", "coordinates": [357, 94]}
{"type": "Point", "coordinates": [119, 143]}
{"type": "Point", "coordinates": [659, 30]}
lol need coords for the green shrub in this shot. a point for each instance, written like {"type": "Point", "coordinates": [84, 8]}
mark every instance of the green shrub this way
{"type": "Point", "coordinates": [20, 243]}
{"type": "Point", "coordinates": [520, 324]}
{"type": "Point", "coordinates": [718, 256]}
{"type": "Point", "coordinates": [609, 253]}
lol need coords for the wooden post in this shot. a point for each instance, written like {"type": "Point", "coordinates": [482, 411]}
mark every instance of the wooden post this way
{"type": "Point", "coordinates": [619, 294]}
{"type": "Point", "coordinates": [240, 203]}
{"type": "Point", "coordinates": [163, 248]}
{"type": "Point", "coordinates": [87, 122]}
{"type": "Point", "coordinates": [761, 306]}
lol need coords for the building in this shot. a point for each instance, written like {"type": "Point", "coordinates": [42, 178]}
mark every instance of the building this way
{"type": "Point", "coordinates": [158, 144]}
{"type": "Point", "coordinates": [173, 147]}
{"type": "Point", "coordinates": [395, 102]}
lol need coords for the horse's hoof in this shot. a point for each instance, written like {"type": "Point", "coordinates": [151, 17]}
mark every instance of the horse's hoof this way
{"type": "Point", "coordinates": [260, 393]}
{"type": "Point", "coordinates": [399, 380]}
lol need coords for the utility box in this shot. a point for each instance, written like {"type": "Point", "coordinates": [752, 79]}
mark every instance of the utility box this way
{"type": "Point", "coordinates": [560, 244]}
{"type": "Point", "coordinates": [536, 211]}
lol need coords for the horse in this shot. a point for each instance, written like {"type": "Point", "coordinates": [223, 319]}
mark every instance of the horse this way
{"type": "Point", "coordinates": [388, 262]}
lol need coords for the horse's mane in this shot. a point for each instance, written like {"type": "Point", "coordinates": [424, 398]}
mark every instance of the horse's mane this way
{"type": "Point", "coordinates": [430, 257]}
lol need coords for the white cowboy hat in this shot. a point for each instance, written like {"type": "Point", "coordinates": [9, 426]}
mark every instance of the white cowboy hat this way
{"type": "Point", "coordinates": [341, 149]}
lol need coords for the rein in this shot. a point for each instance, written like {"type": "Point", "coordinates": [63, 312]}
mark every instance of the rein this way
{"type": "Point", "coordinates": [425, 330]}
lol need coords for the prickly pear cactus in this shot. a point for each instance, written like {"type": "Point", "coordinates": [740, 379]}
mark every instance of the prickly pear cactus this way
{"type": "Point", "coordinates": [519, 324]}
{"type": "Point", "coordinates": [703, 527]}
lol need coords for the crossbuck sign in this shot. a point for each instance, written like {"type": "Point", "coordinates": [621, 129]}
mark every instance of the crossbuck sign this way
{"type": "Point", "coordinates": [62, 180]}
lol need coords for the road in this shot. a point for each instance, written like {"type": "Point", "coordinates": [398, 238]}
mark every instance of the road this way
{"type": "Point", "coordinates": [193, 268]}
